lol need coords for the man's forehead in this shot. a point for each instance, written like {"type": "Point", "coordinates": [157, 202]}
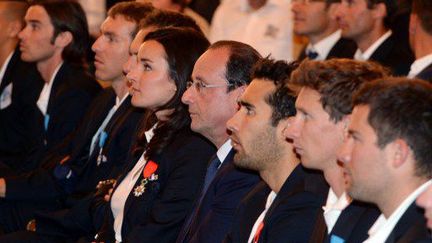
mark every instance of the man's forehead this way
{"type": "Point", "coordinates": [211, 64]}
{"type": "Point", "coordinates": [359, 117]}
{"type": "Point", "coordinates": [118, 25]}
{"type": "Point", "coordinates": [307, 94]}
{"type": "Point", "coordinates": [37, 13]}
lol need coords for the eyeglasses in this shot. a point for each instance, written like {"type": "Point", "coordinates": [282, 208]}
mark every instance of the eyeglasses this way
{"type": "Point", "coordinates": [199, 86]}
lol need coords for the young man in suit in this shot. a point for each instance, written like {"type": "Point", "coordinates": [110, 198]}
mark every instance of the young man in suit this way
{"type": "Point", "coordinates": [76, 221]}
{"type": "Point", "coordinates": [101, 144]}
{"type": "Point", "coordinates": [219, 77]}
{"type": "Point", "coordinates": [420, 37]}
{"type": "Point", "coordinates": [56, 38]}
{"type": "Point", "coordinates": [368, 22]}
{"type": "Point", "coordinates": [17, 88]}
{"type": "Point", "coordinates": [316, 21]}
{"type": "Point", "coordinates": [386, 156]}
{"type": "Point", "coordinates": [292, 204]}
{"type": "Point", "coordinates": [323, 110]}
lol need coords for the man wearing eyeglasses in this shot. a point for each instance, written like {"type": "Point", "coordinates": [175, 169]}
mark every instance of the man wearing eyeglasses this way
{"type": "Point", "coordinates": [315, 19]}
{"type": "Point", "coordinates": [219, 78]}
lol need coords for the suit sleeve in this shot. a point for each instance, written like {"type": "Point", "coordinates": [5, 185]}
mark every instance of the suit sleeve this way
{"type": "Point", "coordinates": [295, 220]}
{"type": "Point", "coordinates": [38, 184]}
{"type": "Point", "coordinates": [229, 193]}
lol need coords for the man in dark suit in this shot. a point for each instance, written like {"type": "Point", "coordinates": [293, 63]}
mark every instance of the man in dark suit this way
{"type": "Point", "coordinates": [99, 148]}
{"type": "Point", "coordinates": [368, 22]}
{"type": "Point", "coordinates": [420, 37]}
{"type": "Point", "coordinates": [258, 137]}
{"type": "Point", "coordinates": [326, 96]}
{"type": "Point", "coordinates": [76, 221]}
{"type": "Point", "coordinates": [55, 38]}
{"type": "Point", "coordinates": [17, 87]}
{"type": "Point", "coordinates": [315, 20]}
{"type": "Point", "coordinates": [386, 156]}
{"type": "Point", "coordinates": [216, 85]}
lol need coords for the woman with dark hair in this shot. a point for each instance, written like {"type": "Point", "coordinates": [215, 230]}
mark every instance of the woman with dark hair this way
{"type": "Point", "coordinates": [151, 200]}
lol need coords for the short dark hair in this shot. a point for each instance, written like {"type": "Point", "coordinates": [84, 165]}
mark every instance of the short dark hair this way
{"type": "Point", "coordinates": [240, 62]}
{"type": "Point", "coordinates": [183, 46]}
{"type": "Point", "coordinates": [131, 11]}
{"type": "Point", "coordinates": [68, 16]}
{"type": "Point", "coordinates": [423, 10]}
{"type": "Point", "coordinates": [162, 18]}
{"type": "Point", "coordinates": [391, 8]}
{"type": "Point", "coordinates": [336, 80]}
{"type": "Point", "coordinates": [401, 108]}
{"type": "Point", "coordinates": [282, 100]}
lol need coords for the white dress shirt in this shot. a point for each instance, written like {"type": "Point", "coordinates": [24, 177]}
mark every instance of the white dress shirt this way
{"type": "Point", "coordinates": [268, 29]}
{"type": "Point", "coordinates": [270, 199]}
{"type": "Point", "coordinates": [6, 94]}
{"type": "Point", "coordinates": [381, 229]}
{"type": "Point", "coordinates": [223, 151]}
{"type": "Point", "coordinates": [125, 187]}
{"type": "Point", "coordinates": [44, 96]}
{"type": "Point", "coordinates": [419, 65]}
{"type": "Point", "coordinates": [364, 56]}
{"type": "Point", "coordinates": [324, 46]}
{"type": "Point", "coordinates": [334, 207]}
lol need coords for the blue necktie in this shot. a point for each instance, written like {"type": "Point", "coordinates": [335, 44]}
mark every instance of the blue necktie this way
{"type": "Point", "coordinates": [336, 239]}
{"type": "Point", "coordinates": [311, 54]}
{"type": "Point", "coordinates": [210, 174]}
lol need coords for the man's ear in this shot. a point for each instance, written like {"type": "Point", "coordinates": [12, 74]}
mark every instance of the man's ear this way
{"type": "Point", "coordinates": [283, 126]}
{"type": "Point", "coordinates": [400, 152]}
{"type": "Point", "coordinates": [63, 39]}
{"type": "Point", "coordinates": [379, 11]}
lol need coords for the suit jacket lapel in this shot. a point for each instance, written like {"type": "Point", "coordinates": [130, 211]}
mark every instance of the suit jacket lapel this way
{"type": "Point", "coordinates": [293, 184]}
{"type": "Point", "coordinates": [426, 74]}
{"type": "Point", "coordinates": [408, 219]}
{"type": "Point", "coordinates": [8, 72]}
{"type": "Point", "coordinates": [131, 198]}
{"type": "Point", "coordinates": [56, 89]}
{"type": "Point", "coordinates": [383, 50]}
{"type": "Point", "coordinates": [342, 49]}
{"type": "Point", "coordinates": [115, 121]}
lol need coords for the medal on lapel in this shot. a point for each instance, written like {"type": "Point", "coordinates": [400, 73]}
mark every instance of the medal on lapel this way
{"type": "Point", "coordinates": [148, 175]}
{"type": "Point", "coordinates": [101, 157]}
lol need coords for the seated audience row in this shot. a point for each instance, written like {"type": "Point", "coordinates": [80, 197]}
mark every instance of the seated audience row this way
{"type": "Point", "coordinates": [193, 142]}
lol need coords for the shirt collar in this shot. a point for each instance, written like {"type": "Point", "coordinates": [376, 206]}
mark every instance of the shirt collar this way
{"type": "Point", "coordinates": [224, 150]}
{"type": "Point", "coordinates": [333, 202]}
{"type": "Point", "coordinates": [420, 64]}
{"type": "Point", "coordinates": [120, 101]}
{"type": "Point", "coordinates": [150, 133]}
{"type": "Point", "coordinates": [363, 56]}
{"type": "Point", "coordinates": [324, 46]}
{"type": "Point", "coordinates": [382, 227]}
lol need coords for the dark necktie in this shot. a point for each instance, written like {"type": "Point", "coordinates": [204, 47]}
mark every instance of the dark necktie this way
{"type": "Point", "coordinates": [189, 222]}
{"type": "Point", "coordinates": [311, 54]}
{"type": "Point", "coordinates": [210, 174]}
